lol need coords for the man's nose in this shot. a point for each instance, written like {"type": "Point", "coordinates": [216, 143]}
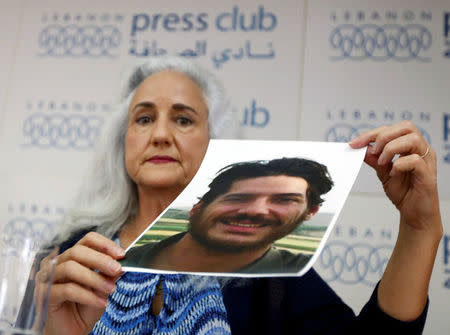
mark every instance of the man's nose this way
{"type": "Point", "coordinates": [258, 206]}
{"type": "Point", "coordinates": [161, 133]}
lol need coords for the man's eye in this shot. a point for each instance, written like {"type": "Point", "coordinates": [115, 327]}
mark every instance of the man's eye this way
{"type": "Point", "coordinates": [184, 121]}
{"type": "Point", "coordinates": [286, 200]}
{"type": "Point", "coordinates": [237, 198]}
{"type": "Point", "coordinates": [144, 119]}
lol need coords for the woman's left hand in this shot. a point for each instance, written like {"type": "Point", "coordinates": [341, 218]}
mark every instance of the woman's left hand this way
{"type": "Point", "coordinates": [410, 183]}
{"type": "Point", "coordinates": [410, 180]}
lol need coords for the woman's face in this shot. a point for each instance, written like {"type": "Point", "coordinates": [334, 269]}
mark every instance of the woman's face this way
{"type": "Point", "coordinates": [167, 134]}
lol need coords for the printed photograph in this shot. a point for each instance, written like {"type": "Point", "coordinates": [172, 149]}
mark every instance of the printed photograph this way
{"type": "Point", "coordinates": [254, 208]}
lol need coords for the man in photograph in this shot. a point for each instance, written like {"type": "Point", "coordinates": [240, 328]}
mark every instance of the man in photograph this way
{"type": "Point", "coordinates": [232, 228]}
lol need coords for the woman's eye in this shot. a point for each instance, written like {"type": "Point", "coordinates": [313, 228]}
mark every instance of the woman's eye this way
{"type": "Point", "coordinates": [184, 121]}
{"type": "Point", "coordinates": [144, 119]}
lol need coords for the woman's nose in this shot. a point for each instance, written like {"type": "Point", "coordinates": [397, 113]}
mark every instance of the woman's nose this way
{"type": "Point", "coordinates": [161, 133]}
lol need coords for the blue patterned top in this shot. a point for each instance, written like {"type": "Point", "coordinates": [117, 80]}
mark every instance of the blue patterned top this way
{"type": "Point", "coordinates": [192, 305]}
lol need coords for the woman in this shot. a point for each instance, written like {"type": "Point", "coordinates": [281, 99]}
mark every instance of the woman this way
{"type": "Point", "coordinates": [157, 146]}
{"type": "Point", "coordinates": [154, 146]}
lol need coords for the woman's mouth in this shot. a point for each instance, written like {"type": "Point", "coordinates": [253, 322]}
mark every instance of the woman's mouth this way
{"type": "Point", "coordinates": [161, 159]}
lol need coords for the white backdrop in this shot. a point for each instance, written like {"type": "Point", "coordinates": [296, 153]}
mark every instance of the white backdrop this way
{"type": "Point", "coordinates": [310, 70]}
{"type": "Point", "coordinates": [368, 64]}
{"type": "Point", "coordinates": [10, 14]}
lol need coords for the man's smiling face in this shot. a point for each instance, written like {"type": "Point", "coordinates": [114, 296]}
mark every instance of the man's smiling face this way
{"type": "Point", "coordinates": [252, 214]}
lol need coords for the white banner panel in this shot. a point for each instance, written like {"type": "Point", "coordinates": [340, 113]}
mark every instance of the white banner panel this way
{"type": "Point", "coordinates": [33, 205]}
{"type": "Point", "coordinates": [366, 63]}
{"type": "Point", "coordinates": [10, 15]}
{"type": "Point", "coordinates": [372, 63]}
{"type": "Point", "coordinates": [358, 249]}
{"type": "Point", "coordinates": [72, 53]}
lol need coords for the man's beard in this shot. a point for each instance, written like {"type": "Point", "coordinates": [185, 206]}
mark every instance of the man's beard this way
{"type": "Point", "coordinates": [219, 245]}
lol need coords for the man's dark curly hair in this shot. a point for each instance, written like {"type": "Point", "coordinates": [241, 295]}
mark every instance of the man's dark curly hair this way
{"type": "Point", "coordinates": [316, 174]}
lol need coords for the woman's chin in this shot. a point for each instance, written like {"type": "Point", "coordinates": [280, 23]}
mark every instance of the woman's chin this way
{"type": "Point", "coordinates": [166, 184]}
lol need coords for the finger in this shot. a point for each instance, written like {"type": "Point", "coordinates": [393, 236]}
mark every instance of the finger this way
{"type": "Point", "coordinates": [412, 164]}
{"type": "Point", "coordinates": [45, 261]}
{"type": "Point", "coordinates": [72, 271]}
{"type": "Point", "coordinates": [43, 278]}
{"type": "Point", "coordinates": [101, 294]}
{"type": "Point", "coordinates": [45, 267]}
{"type": "Point", "coordinates": [73, 292]}
{"type": "Point", "coordinates": [412, 143]}
{"type": "Point", "coordinates": [115, 278]}
{"type": "Point", "coordinates": [391, 133]}
{"type": "Point", "coordinates": [91, 259]}
{"type": "Point", "coordinates": [42, 284]}
{"type": "Point", "coordinates": [366, 137]}
{"type": "Point", "coordinates": [381, 170]}
{"type": "Point", "coordinates": [102, 244]}
{"type": "Point", "coordinates": [381, 135]}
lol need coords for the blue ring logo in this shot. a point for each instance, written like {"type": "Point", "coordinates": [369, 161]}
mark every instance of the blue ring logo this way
{"type": "Point", "coordinates": [447, 158]}
{"type": "Point", "coordinates": [447, 283]}
{"type": "Point", "coordinates": [75, 41]}
{"type": "Point", "coordinates": [352, 264]}
{"type": "Point", "coordinates": [345, 132]}
{"type": "Point", "coordinates": [380, 43]}
{"type": "Point", "coordinates": [62, 131]}
{"type": "Point", "coordinates": [18, 229]}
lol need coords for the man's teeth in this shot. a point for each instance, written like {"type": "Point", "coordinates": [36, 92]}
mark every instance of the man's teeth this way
{"type": "Point", "coordinates": [242, 224]}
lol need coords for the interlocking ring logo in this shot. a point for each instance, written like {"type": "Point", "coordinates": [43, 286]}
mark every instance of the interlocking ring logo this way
{"type": "Point", "coordinates": [62, 131]}
{"type": "Point", "coordinates": [447, 158]}
{"type": "Point", "coordinates": [18, 229]}
{"type": "Point", "coordinates": [76, 41]}
{"type": "Point", "coordinates": [447, 283]}
{"type": "Point", "coordinates": [380, 43]}
{"type": "Point", "coordinates": [353, 263]}
{"type": "Point", "coordinates": [344, 132]}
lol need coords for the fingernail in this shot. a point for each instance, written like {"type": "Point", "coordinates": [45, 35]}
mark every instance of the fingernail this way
{"type": "Point", "coordinates": [120, 252]}
{"type": "Point", "coordinates": [115, 266]}
{"type": "Point", "coordinates": [109, 287]}
{"type": "Point", "coordinates": [373, 149]}
{"type": "Point", "coordinates": [102, 302]}
{"type": "Point", "coordinates": [381, 160]}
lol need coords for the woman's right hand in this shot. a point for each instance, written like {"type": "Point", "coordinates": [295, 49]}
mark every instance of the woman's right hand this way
{"type": "Point", "coordinates": [84, 277]}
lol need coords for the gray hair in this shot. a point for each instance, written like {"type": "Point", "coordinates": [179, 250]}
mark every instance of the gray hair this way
{"type": "Point", "coordinates": [108, 197]}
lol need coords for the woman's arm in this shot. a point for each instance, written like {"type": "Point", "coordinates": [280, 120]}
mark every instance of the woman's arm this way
{"type": "Point", "coordinates": [410, 183]}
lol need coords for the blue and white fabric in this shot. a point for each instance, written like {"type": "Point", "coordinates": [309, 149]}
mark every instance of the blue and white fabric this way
{"type": "Point", "coordinates": [191, 305]}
